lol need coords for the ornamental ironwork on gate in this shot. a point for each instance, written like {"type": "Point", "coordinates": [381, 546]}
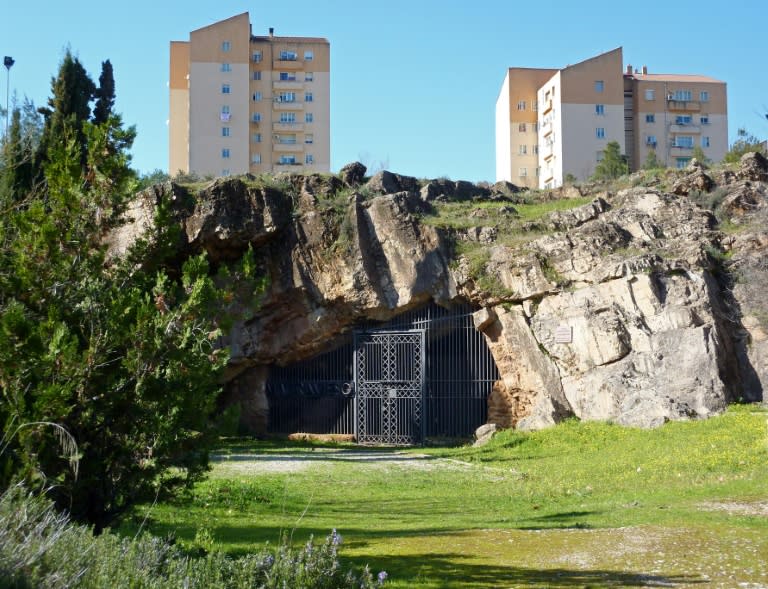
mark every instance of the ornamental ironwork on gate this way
{"type": "Point", "coordinates": [358, 385]}
{"type": "Point", "coordinates": [389, 384]}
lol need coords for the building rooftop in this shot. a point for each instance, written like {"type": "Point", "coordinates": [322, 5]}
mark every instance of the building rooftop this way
{"type": "Point", "coordinates": [692, 78]}
{"type": "Point", "coordinates": [273, 38]}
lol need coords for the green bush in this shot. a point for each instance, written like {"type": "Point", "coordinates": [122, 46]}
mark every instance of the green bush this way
{"type": "Point", "coordinates": [40, 547]}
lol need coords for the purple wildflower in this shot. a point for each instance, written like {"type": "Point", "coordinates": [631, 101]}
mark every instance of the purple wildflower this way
{"type": "Point", "coordinates": [335, 537]}
{"type": "Point", "coordinates": [382, 576]}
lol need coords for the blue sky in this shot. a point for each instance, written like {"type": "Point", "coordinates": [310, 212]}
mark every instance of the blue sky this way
{"type": "Point", "coordinates": [413, 82]}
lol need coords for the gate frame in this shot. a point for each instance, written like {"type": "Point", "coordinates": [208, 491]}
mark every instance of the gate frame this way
{"type": "Point", "coordinates": [358, 336]}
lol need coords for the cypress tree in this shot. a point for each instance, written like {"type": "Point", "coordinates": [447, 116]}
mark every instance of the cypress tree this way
{"type": "Point", "coordinates": [105, 94]}
{"type": "Point", "coordinates": [69, 107]}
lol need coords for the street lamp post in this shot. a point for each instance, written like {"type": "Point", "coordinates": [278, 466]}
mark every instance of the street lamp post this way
{"type": "Point", "coordinates": [8, 63]}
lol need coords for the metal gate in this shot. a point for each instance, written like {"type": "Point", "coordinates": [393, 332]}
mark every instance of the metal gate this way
{"type": "Point", "coordinates": [389, 384]}
{"type": "Point", "coordinates": [432, 361]}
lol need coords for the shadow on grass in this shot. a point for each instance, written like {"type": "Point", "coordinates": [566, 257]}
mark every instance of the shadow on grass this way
{"type": "Point", "coordinates": [444, 569]}
{"type": "Point", "coordinates": [566, 520]}
{"type": "Point", "coordinates": [451, 570]}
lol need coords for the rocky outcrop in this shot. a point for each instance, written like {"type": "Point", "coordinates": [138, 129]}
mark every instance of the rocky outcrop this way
{"type": "Point", "coordinates": [619, 309]}
{"type": "Point", "coordinates": [353, 174]}
{"type": "Point", "coordinates": [746, 209]}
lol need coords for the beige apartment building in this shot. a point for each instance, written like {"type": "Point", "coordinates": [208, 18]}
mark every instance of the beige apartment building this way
{"type": "Point", "coordinates": [672, 114]}
{"type": "Point", "coordinates": [577, 110]}
{"type": "Point", "coordinates": [244, 103]}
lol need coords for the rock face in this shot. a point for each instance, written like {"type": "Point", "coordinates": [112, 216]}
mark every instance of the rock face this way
{"type": "Point", "coordinates": [620, 309]}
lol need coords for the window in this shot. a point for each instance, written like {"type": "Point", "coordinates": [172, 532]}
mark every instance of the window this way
{"type": "Point", "coordinates": [288, 56]}
{"type": "Point", "coordinates": [256, 96]}
{"type": "Point", "coordinates": [256, 137]}
{"type": "Point", "coordinates": [522, 149]}
{"type": "Point", "coordinates": [650, 94]}
{"type": "Point", "coordinates": [523, 172]}
{"type": "Point", "coordinates": [226, 46]}
{"type": "Point", "coordinates": [538, 172]}
{"type": "Point", "coordinates": [287, 77]}
{"type": "Point", "coordinates": [225, 131]}
{"type": "Point", "coordinates": [309, 117]}
{"type": "Point", "coordinates": [224, 116]}
{"type": "Point", "coordinates": [309, 55]}
{"type": "Point", "coordinates": [309, 159]}
{"type": "Point", "coordinates": [683, 120]}
{"type": "Point", "coordinates": [521, 127]}
{"type": "Point", "coordinates": [599, 85]}
{"type": "Point", "coordinates": [684, 141]}
{"type": "Point", "coordinates": [225, 172]}
{"type": "Point", "coordinates": [599, 109]}
{"type": "Point", "coordinates": [651, 140]}
{"type": "Point", "coordinates": [288, 117]}
{"type": "Point", "coordinates": [705, 141]}
{"type": "Point", "coordinates": [287, 159]}
{"type": "Point", "coordinates": [682, 95]}
{"type": "Point", "coordinates": [225, 88]}
{"type": "Point", "coordinates": [256, 117]}
{"type": "Point", "coordinates": [225, 67]}
{"type": "Point", "coordinates": [286, 139]}
{"type": "Point", "coordinates": [307, 96]}
{"type": "Point", "coordinates": [682, 162]}
{"type": "Point", "coordinates": [286, 97]}
{"type": "Point", "coordinates": [256, 158]}
{"type": "Point", "coordinates": [534, 106]}
{"type": "Point", "coordinates": [535, 127]}
{"type": "Point", "coordinates": [521, 105]}
{"type": "Point", "coordinates": [704, 119]}
{"type": "Point", "coordinates": [536, 150]}
{"type": "Point", "coordinates": [650, 118]}
{"type": "Point", "coordinates": [257, 56]}
{"type": "Point", "coordinates": [704, 96]}
{"type": "Point", "coordinates": [309, 138]}
{"type": "Point", "coordinates": [599, 155]}
{"type": "Point", "coordinates": [257, 75]}
{"type": "Point", "coordinates": [225, 153]}
{"type": "Point", "coordinates": [309, 77]}
{"type": "Point", "coordinates": [600, 132]}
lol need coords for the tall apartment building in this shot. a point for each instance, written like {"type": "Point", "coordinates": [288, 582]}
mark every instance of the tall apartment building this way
{"type": "Point", "coordinates": [579, 109]}
{"type": "Point", "coordinates": [672, 114]}
{"type": "Point", "coordinates": [243, 103]}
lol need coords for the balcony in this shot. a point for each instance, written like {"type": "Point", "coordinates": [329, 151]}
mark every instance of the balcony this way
{"type": "Point", "coordinates": [286, 148]}
{"type": "Point", "coordinates": [680, 151]}
{"type": "Point", "coordinates": [288, 127]}
{"type": "Point", "coordinates": [278, 167]}
{"type": "Point", "coordinates": [287, 85]}
{"type": "Point", "coordinates": [287, 65]}
{"type": "Point", "coordinates": [683, 105]}
{"type": "Point", "coordinates": [548, 105]}
{"type": "Point", "coordinates": [277, 105]}
{"type": "Point", "coordinates": [688, 129]}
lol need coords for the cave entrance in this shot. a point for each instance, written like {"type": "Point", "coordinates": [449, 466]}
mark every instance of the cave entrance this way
{"type": "Point", "coordinates": [423, 375]}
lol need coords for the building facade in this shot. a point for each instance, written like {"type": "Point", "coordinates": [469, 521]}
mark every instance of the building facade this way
{"type": "Point", "coordinates": [674, 114]}
{"type": "Point", "coordinates": [242, 103]}
{"type": "Point", "coordinates": [576, 111]}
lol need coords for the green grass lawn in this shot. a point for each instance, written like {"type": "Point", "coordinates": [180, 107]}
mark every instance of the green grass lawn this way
{"type": "Point", "coordinates": [577, 505]}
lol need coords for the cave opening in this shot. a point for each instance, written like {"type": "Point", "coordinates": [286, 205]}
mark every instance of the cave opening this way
{"type": "Point", "coordinates": [424, 375]}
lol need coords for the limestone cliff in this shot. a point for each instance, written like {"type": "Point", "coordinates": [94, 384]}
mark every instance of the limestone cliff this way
{"type": "Point", "coordinates": [626, 303]}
